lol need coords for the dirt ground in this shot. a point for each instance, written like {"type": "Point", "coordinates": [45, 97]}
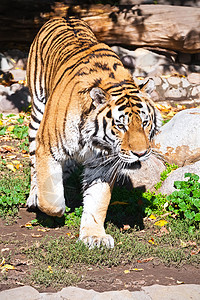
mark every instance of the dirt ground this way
{"type": "Point", "coordinates": [14, 237]}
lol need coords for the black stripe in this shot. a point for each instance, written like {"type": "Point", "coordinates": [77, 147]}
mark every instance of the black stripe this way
{"type": "Point", "coordinates": [35, 119]}
{"type": "Point", "coordinates": [32, 153]}
{"type": "Point", "coordinates": [32, 127]}
{"type": "Point", "coordinates": [37, 108]}
{"type": "Point", "coordinates": [96, 126]}
{"type": "Point", "coordinates": [31, 139]}
{"type": "Point", "coordinates": [123, 107]}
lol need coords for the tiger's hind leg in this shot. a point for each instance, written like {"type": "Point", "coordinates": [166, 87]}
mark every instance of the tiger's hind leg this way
{"type": "Point", "coordinates": [50, 192]}
{"type": "Point", "coordinates": [36, 117]}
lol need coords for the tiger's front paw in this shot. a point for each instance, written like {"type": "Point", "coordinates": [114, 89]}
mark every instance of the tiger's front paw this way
{"type": "Point", "coordinates": [96, 241]}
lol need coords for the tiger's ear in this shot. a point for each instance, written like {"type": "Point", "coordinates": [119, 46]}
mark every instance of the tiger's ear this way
{"type": "Point", "coordinates": [148, 86]}
{"type": "Point", "coordinates": [98, 96]}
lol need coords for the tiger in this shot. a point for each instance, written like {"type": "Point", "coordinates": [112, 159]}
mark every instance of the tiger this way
{"type": "Point", "coordinates": [86, 108]}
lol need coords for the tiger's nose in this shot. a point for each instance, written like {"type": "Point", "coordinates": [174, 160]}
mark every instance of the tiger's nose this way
{"type": "Point", "coordinates": [139, 154]}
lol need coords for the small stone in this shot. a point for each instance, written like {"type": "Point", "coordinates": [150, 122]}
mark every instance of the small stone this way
{"type": "Point", "coordinates": [165, 84]}
{"type": "Point", "coordinates": [174, 80]}
{"type": "Point", "coordinates": [15, 87]}
{"type": "Point", "coordinates": [185, 82]}
{"type": "Point", "coordinates": [194, 78]}
{"type": "Point", "coordinates": [18, 74]}
{"type": "Point", "coordinates": [128, 61]}
{"type": "Point", "coordinates": [157, 80]}
{"type": "Point", "coordinates": [195, 91]}
{"type": "Point", "coordinates": [5, 63]}
{"type": "Point", "coordinates": [174, 93]}
{"type": "Point", "coordinates": [155, 96]}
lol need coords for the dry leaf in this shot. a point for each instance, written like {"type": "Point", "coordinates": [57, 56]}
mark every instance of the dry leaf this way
{"type": "Point", "coordinates": [118, 202]}
{"type": "Point", "coordinates": [5, 249]}
{"type": "Point", "coordinates": [15, 162]}
{"type": "Point", "coordinates": [183, 244]}
{"type": "Point", "coordinates": [50, 269]}
{"type": "Point", "coordinates": [18, 166]}
{"type": "Point", "coordinates": [193, 252]}
{"type": "Point", "coordinates": [8, 267]}
{"type": "Point", "coordinates": [126, 227]}
{"type": "Point", "coordinates": [151, 241]}
{"type": "Point", "coordinates": [27, 225]}
{"type": "Point", "coordinates": [2, 262]}
{"type": "Point", "coordinates": [26, 155]}
{"type": "Point", "coordinates": [152, 217]}
{"type": "Point", "coordinates": [145, 260]}
{"type": "Point", "coordinates": [24, 151]}
{"type": "Point", "coordinates": [127, 271]}
{"type": "Point", "coordinates": [10, 128]}
{"type": "Point", "coordinates": [8, 148]}
{"type": "Point", "coordinates": [36, 235]}
{"type": "Point", "coordinates": [43, 229]}
{"type": "Point", "coordinates": [161, 223]}
{"type": "Point", "coordinates": [192, 243]}
{"type": "Point", "coordinates": [11, 167]}
{"type": "Point", "coordinates": [120, 243]}
{"type": "Point", "coordinates": [10, 156]}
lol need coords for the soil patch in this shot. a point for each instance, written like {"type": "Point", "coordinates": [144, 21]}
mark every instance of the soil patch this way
{"type": "Point", "coordinates": [16, 237]}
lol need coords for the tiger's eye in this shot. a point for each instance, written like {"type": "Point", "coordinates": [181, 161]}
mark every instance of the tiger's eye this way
{"type": "Point", "coordinates": [145, 123]}
{"type": "Point", "coordinates": [121, 126]}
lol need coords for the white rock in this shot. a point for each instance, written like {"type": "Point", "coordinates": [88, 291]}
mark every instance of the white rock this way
{"type": "Point", "coordinates": [5, 63]}
{"type": "Point", "coordinates": [148, 175]}
{"type": "Point", "coordinates": [178, 174]}
{"type": "Point", "coordinates": [179, 139]}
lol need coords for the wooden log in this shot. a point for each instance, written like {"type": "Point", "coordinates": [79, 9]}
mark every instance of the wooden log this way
{"type": "Point", "coordinates": [170, 27]}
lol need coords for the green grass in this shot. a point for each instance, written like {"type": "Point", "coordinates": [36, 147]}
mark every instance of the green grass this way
{"type": "Point", "coordinates": [67, 257]}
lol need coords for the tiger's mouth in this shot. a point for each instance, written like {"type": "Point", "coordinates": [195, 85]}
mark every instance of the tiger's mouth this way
{"type": "Point", "coordinates": [133, 157]}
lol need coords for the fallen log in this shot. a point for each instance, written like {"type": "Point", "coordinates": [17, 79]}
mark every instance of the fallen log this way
{"type": "Point", "coordinates": [169, 27]}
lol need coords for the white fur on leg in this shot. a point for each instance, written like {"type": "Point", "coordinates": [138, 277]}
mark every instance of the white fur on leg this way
{"type": "Point", "coordinates": [96, 201]}
{"type": "Point", "coordinates": [51, 193]}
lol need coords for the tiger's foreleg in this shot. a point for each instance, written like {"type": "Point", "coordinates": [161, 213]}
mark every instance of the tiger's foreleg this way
{"type": "Point", "coordinates": [96, 200]}
{"type": "Point", "coordinates": [50, 184]}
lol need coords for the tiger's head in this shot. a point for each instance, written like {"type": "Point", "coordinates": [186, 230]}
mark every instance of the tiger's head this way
{"type": "Point", "coordinates": [122, 123]}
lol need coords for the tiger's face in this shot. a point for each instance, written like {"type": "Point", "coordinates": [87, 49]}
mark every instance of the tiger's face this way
{"type": "Point", "coordinates": [124, 126]}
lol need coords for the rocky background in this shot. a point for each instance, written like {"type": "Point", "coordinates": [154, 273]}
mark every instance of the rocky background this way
{"type": "Point", "coordinates": [161, 41]}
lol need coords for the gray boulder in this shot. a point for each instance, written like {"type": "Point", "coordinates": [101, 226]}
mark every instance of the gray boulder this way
{"type": "Point", "coordinates": [168, 185]}
{"type": "Point", "coordinates": [179, 140]}
{"type": "Point", "coordinates": [14, 98]}
{"type": "Point", "coordinates": [148, 174]}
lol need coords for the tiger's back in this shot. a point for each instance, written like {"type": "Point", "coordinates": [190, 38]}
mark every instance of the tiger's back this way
{"type": "Point", "coordinates": [85, 106]}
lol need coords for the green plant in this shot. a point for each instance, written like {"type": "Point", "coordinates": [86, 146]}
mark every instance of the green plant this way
{"type": "Point", "coordinates": [14, 189]}
{"type": "Point", "coordinates": [185, 203]}
{"type": "Point", "coordinates": [73, 219]}
{"type": "Point", "coordinates": [16, 129]}
{"type": "Point", "coordinates": [165, 173]}
{"type": "Point", "coordinates": [155, 203]}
